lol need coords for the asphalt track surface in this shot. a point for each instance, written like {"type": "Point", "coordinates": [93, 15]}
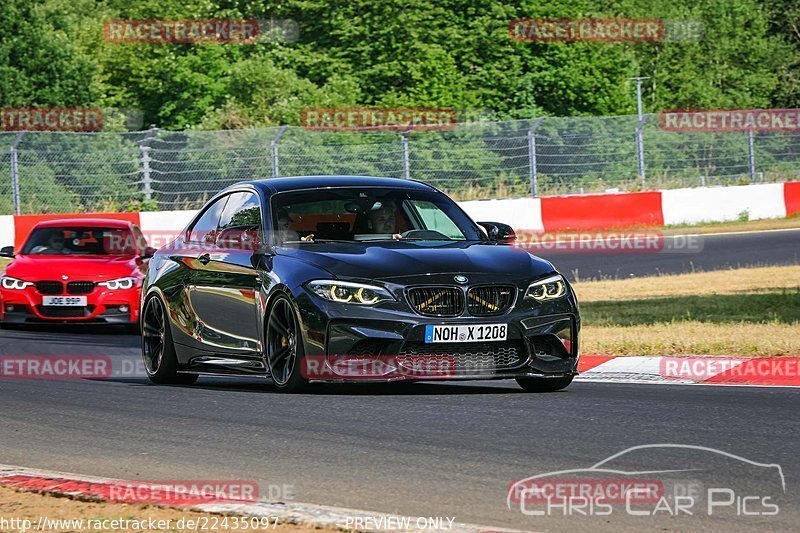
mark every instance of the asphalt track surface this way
{"type": "Point", "coordinates": [421, 450]}
{"type": "Point", "coordinates": [679, 255]}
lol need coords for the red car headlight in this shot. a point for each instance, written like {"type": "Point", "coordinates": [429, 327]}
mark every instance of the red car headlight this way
{"type": "Point", "coordinates": [14, 284]}
{"type": "Point", "coordinates": [119, 284]}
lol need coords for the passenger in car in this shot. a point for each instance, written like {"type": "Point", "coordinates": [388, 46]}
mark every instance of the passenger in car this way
{"type": "Point", "coordinates": [284, 227]}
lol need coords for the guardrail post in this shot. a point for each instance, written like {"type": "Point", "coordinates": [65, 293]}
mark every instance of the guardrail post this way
{"type": "Point", "coordinates": [276, 171]}
{"type": "Point", "coordinates": [15, 198]}
{"type": "Point", "coordinates": [406, 164]}
{"type": "Point", "coordinates": [533, 173]}
{"type": "Point", "coordinates": [751, 156]}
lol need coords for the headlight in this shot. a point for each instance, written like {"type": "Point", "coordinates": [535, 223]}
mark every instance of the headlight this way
{"type": "Point", "coordinates": [346, 292]}
{"type": "Point", "coordinates": [547, 289]}
{"type": "Point", "coordinates": [120, 284]}
{"type": "Point", "coordinates": [14, 284]}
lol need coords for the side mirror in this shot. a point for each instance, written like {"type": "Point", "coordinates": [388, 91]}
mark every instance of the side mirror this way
{"type": "Point", "coordinates": [149, 252]}
{"type": "Point", "coordinates": [7, 251]}
{"type": "Point", "coordinates": [262, 256]}
{"type": "Point", "coordinates": [499, 232]}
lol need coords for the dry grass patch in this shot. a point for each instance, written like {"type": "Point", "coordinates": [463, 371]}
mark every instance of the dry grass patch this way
{"type": "Point", "coordinates": [692, 338]}
{"type": "Point", "coordinates": [737, 281]}
{"type": "Point", "coordinates": [3, 262]}
{"type": "Point", "coordinates": [746, 312]}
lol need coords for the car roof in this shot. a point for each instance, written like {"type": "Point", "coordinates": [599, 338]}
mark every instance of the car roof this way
{"type": "Point", "coordinates": [87, 222]}
{"type": "Point", "coordinates": [296, 183]}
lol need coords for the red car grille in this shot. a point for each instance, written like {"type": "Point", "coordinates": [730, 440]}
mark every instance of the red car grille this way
{"type": "Point", "coordinates": [50, 287]}
{"type": "Point", "coordinates": [56, 287]}
{"type": "Point", "coordinates": [80, 287]}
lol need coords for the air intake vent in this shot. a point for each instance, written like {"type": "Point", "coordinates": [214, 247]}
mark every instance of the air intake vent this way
{"type": "Point", "coordinates": [468, 357]}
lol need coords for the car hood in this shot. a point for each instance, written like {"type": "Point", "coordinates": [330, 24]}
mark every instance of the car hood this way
{"type": "Point", "coordinates": [29, 268]}
{"type": "Point", "coordinates": [403, 259]}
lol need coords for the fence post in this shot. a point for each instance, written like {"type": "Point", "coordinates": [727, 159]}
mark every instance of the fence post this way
{"type": "Point", "coordinates": [15, 173]}
{"type": "Point", "coordinates": [751, 156]}
{"type": "Point", "coordinates": [640, 149]}
{"type": "Point", "coordinates": [276, 171]}
{"type": "Point", "coordinates": [533, 173]}
{"type": "Point", "coordinates": [406, 164]}
{"type": "Point", "coordinates": [147, 179]}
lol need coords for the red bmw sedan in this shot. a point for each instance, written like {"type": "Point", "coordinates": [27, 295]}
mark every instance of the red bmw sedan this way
{"type": "Point", "coordinates": [76, 271]}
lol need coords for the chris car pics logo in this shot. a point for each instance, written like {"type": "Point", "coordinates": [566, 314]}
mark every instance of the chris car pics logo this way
{"type": "Point", "coordinates": [656, 480]}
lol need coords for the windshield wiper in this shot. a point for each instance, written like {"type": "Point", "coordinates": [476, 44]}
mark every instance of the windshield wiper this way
{"type": "Point", "coordinates": [318, 241]}
{"type": "Point", "coordinates": [405, 239]}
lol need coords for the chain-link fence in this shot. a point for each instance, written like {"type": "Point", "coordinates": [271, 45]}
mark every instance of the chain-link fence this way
{"type": "Point", "coordinates": [155, 169]}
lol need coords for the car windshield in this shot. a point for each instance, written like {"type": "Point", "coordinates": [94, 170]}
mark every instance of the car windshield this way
{"type": "Point", "coordinates": [80, 241]}
{"type": "Point", "coordinates": [364, 215]}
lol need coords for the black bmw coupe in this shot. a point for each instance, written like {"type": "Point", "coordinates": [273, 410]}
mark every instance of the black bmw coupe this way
{"type": "Point", "coordinates": [353, 279]}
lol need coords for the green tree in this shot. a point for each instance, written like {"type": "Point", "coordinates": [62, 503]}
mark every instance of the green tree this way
{"type": "Point", "coordinates": [39, 64]}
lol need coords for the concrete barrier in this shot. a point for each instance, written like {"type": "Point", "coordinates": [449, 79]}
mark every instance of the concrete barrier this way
{"type": "Point", "coordinates": [722, 204]}
{"type": "Point", "coordinates": [552, 214]}
{"type": "Point", "coordinates": [6, 230]}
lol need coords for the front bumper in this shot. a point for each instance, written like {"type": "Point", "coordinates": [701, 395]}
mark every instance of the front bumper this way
{"type": "Point", "coordinates": [343, 340]}
{"type": "Point", "coordinates": [103, 306]}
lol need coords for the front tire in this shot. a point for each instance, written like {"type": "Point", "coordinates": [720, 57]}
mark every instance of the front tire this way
{"type": "Point", "coordinates": [158, 350]}
{"type": "Point", "coordinates": [284, 347]}
{"type": "Point", "coordinates": [544, 384]}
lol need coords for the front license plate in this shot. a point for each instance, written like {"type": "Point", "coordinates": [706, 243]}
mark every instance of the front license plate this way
{"type": "Point", "coordinates": [64, 301]}
{"type": "Point", "coordinates": [474, 333]}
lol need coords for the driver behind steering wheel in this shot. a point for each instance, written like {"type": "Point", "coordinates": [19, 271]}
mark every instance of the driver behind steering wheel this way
{"type": "Point", "coordinates": [383, 220]}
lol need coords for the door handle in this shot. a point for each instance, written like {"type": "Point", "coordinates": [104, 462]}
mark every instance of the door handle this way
{"type": "Point", "coordinates": [204, 259]}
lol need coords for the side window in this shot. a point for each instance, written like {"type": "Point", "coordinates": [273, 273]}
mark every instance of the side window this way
{"type": "Point", "coordinates": [240, 224]}
{"type": "Point", "coordinates": [139, 239]}
{"type": "Point", "coordinates": [204, 230]}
